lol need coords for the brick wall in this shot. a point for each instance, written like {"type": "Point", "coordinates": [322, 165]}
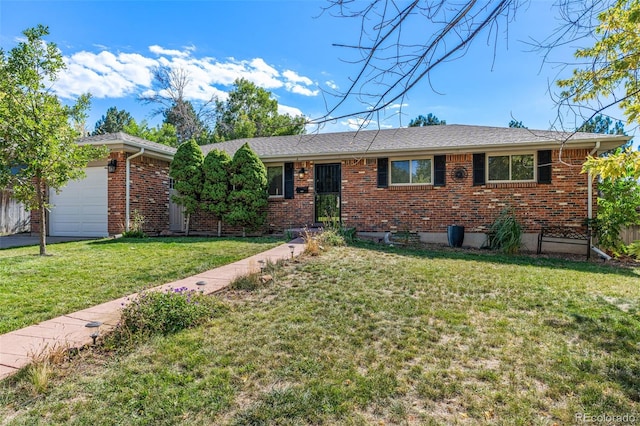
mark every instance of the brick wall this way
{"type": "Point", "coordinates": [149, 195]}
{"type": "Point", "coordinates": [116, 195]}
{"type": "Point", "coordinates": [430, 209]}
{"type": "Point", "coordinates": [420, 208]}
{"type": "Point", "coordinates": [427, 208]}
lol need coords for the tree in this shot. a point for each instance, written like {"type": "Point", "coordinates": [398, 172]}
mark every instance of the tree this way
{"type": "Point", "coordinates": [168, 92]}
{"type": "Point", "coordinates": [112, 122]}
{"type": "Point", "coordinates": [183, 117]}
{"type": "Point", "coordinates": [517, 125]}
{"type": "Point", "coordinates": [186, 171]}
{"type": "Point", "coordinates": [429, 120]}
{"type": "Point", "coordinates": [619, 198]}
{"type": "Point", "coordinates": [250, 112]}
{"type": "Point", "coordinates": [602, 124]}
{"type": "Point", "coordinates": [164, 134]}
{"type": "Point", "coordinates": [38, 140]}
{"type": "Point", "coordinates": [217, 187]}
{"type": "Point", "coordinates": [618, 207]}
{"type": "Point", "coordinates": [249, 197]}
{"type": "Point", "coordinates": [610, 78]}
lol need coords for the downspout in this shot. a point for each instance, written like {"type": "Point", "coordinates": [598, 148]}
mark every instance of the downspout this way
{"type": "Point", "coordinates": [127, 185]}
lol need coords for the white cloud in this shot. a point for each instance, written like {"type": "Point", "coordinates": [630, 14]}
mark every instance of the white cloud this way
{"type": "Point", "coordinates": [160, 51]}
{"type": "Point", "coordinates": [292, 111]}
{"type": "Point", "coordinates": [332, 85]}
{"type": "Point", "coordinates": [115, 75]}
{"type": "Point", "coordinates": [301, 90]}
{"type": "Point", "coordinates": [294, 77]}
{"type": "Point", "coordinates": [298, 84]}
{"type": "Point", "coordinates": [104, 74]}
{"type": "Point", "coordinates": [397, 106]}
{"type": "Point", "coordinates": [356, 123]}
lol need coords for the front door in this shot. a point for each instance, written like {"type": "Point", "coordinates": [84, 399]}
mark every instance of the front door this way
{"type": "Point", "coordinates": [176, 212]}
{"type": "Point", "coordinates": [327, 191]}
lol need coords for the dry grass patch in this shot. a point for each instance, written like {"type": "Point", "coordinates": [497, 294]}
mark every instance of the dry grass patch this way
{"type": "Point", "coordinates": [370, 336]}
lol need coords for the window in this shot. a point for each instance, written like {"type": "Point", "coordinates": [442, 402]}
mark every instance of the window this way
{"type": "Point", "coordinates": [417, 171]}
{"type": "Point", "coordinates": [275, 181]}
{"type": "Point", "coordinates": [518, 167]}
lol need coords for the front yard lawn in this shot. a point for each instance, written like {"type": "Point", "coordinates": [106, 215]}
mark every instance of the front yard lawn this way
{"type": "Point", "coordinates": [363, 335]}
{"type": "Point", "coordinates": [87, 273]}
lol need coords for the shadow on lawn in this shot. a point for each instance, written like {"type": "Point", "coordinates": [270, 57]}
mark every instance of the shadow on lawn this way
{"type": "Point", "coordinates": [186, 240]}
{"type": "Point", "coordinates": [613, 333]}
{"type": "Point", "coordinates": [494, 257]}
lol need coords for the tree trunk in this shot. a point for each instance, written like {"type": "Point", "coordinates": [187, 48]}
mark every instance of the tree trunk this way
{"type": "Point", "coordinates": [219, 228]}
{"type": "Point", "coordinates": [40, 200]}
{"type": "Point", "coordinates": [244, 232]}
{"type": "Point", "coordinates": [186, 231]}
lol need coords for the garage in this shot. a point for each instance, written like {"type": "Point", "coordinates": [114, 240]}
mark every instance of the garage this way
{"type": "Point", "coordinates": [80, 209]}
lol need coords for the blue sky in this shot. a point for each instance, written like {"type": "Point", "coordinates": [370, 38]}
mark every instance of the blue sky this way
{"type": "Point", "coordinates": [284, 46]}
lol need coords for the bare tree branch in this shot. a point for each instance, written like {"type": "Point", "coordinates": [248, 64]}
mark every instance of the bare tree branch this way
{"type": "Point", "coordinates": [400, 43]}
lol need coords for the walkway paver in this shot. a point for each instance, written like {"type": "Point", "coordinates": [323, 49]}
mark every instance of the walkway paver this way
{"type": "Point", "coordinates": [18, 348]}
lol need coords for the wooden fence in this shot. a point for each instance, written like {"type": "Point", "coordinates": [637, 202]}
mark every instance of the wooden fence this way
{"type": "Point", "coordinates": [13, 216]}
{"type": "Point", "coordinates": [630, 234]}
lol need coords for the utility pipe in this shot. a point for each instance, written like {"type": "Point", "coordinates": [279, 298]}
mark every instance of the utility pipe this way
{"type": "Point", "coordinates": [127, 185]}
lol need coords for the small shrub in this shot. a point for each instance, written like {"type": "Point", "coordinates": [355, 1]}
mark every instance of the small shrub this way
{"type": "Point", "coordinates": [505, 233]}
{"type": "Point", "coordinates": [40, 371]}
{"type": "Point", "coordinates": [39, 374]}
{"type": "Point", "coordinates": [248, 282]}
{"type": "Point", "coordinates": [633, 249]}
{"type": "Point", "coordinates": [164, 312]}
{"type": "Point", "coordinates": [332, 237]}
{"type": "Point", "coordinates": [253, 281]}
{"type": "Point", "coordinates": [312, 245]}
{"type": "Point", "coordinates": [135, 226]}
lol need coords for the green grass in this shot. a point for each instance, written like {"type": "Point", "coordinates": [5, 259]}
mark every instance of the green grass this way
{"type": "Point", "coordinates": [363, 335]}
{"type": "Point", "coordinates": [83, 274]}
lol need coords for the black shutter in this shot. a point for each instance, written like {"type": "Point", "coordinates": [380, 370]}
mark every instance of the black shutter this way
{"type": "Point", "coordinates": [288, 180]}
{"type": "Point", "coordinates": [478, 169]}
{"type": "Point", "coordinates": [544, 166]}
{"type": "Point", "coordinates": [383, 172]}
{"type": "Point", "coordinates": [439, 170]}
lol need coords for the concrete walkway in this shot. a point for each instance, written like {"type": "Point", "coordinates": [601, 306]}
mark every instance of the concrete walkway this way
{"type": "Point", "coordinates": [18, 348]}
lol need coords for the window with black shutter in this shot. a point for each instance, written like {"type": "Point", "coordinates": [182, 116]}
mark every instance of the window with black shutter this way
{"type": "Point", "coordinates": [478, 169]}
{"type": "Point", "coordinates": [440, 170]}
{"type": "Point", "coordinates": [383, 172]}
{"type": "Point", "coordinates": [544, 166]}
{"type": "Point", "coordinates": [288, 180]}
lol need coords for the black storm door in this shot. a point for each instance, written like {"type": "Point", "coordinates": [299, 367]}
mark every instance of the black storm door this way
{"type": "Point", "coordinates": [327, 180]}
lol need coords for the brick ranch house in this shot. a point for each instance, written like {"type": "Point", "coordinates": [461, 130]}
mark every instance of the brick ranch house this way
{"type": "Point", "coordinates": [417, 180]}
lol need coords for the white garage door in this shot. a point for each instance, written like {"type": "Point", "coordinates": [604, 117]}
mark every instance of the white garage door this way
{"type": "Point", "coordinates": [80, 210]}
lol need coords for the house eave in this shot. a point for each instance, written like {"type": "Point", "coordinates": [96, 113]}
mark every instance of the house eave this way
{"type": "Point", "coordinates": [130, 144]}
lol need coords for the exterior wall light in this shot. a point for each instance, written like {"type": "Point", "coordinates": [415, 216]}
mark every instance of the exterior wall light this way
{"type": "Point", "coordinates": [111, 165]}
{"type": "Point", "coordinates": [301, 173]}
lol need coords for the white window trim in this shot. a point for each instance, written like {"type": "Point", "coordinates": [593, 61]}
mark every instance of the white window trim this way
{"type": "Point", "coordinates": [392, 160]}
{"type": "Point", "coordinates": [510, 154]}
{"type": "Point", "coordinates": [281, 165]}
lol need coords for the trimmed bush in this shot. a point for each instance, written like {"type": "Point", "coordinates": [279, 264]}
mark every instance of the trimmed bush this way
{"type": "Point", "coordinates": [165, 312]}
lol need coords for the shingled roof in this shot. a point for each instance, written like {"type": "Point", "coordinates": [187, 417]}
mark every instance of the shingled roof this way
{"type": "Point", "coordinates": [430, 139]}
{"type": "Point", "coordinates": [443, 139]}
